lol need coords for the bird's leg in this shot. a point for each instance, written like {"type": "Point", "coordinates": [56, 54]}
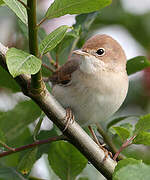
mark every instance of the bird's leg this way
{"type": "Point", "coordinates": [97, 142]}
{"type": "Point", "coordinates": [124, 145]}
{"type": "Point", "coordinates": [69, 118]}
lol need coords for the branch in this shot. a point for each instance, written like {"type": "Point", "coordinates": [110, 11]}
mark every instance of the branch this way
{"type": "Point", "coordinates": [36, 80]}
{"type": "Point", "coordinates": [36, 143]}
{"type": "Point", "coordinates": [76, 135]}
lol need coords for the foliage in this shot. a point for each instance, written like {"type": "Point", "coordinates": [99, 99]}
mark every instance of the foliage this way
{"type": "Point", "coordinates": [131, 169]}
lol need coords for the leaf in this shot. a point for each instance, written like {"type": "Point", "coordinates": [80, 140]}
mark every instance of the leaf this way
{"type": "Point", "coordinates": [64, 48]}
{"type": "Point", "coordinates": [41, 34]}
{"type": "Point", "coordinates": [117, 120]}
{"type": "Point", "coordinates": [10, 173]}
{"type": "Point", "coordinates": [52, 39]}
{"type": "Point", "coordinates": [22, 139]}
{"type": "Point", "coordinates": [142, 138]}
{"type": "Point", "coordinates": [23, 28]}
{"type": "Point", "coordinates": [137, 64]}
{"type": "Point", "coordinates": [85, 21]}
{"type": "Point", "coordinates": [27, 161]}
{"type": "Point", "coordinates": [83, 178]}
{"type": "Point", "coordinates": [2, 136]}
{"type": "Point", "coordinates": [18, 9]}
{"type": "Point", "coordinates": [15, 121]}
{"type": "Point", "coordinates": [20, 62]}
{"type": "Point", "coordinates": [122, 132]}
{"type": "Point", "coordinates": [38, 125]}
{"type": "Point", "coordinates": [1, 2]}
{"type": "Point", "coordinates": [143, 124]}
{"type": "Point", "coordinates": [44, 135]}
{"type": "Point", "coordinates": [6, 81]}
{"type": "Point", "coordinates": [2, 139]}
{"type": "Point", "coordinates": [131, 169]}
{"type": "Point", "coordinates": [65, 160]}
{"type": "Point", "coordinates": [60, 8]}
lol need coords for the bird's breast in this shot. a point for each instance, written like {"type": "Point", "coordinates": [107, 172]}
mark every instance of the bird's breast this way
{"type": "Point", "coordinates": [93, 98]}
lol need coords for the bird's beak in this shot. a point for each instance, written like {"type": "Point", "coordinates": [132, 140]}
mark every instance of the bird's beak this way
{"type": "Point", "coordinates": [80, 52]}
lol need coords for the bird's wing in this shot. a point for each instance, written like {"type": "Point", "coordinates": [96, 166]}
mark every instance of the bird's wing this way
{"type": "Point", "coordinates": [63, 74]}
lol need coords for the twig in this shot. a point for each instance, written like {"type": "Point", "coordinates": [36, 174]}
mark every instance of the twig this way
{"type": "Point", "coordinates": [23, 4]}
{"type": "Point", "coordinates": [57, 61]}
{"type": "Point", "coordinates": [108, 141]}
{"type": "Point", "coordinates": [44, 19]}
{"type": "Point", "coordinates": [37, 143]}
{"type": "Point", "coordinates": [124, 145]}
{"type": "Point", "coordinates": [47, 67]}
{"type": "Point", "coordinates": [6, 146]}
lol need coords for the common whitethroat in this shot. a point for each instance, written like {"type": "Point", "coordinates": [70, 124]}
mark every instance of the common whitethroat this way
{"type": "Point", "coordinates": [94, 82]}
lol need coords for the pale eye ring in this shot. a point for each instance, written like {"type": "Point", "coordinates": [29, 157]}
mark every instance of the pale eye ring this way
{"type": "Point", "coordinates": [100, 52]}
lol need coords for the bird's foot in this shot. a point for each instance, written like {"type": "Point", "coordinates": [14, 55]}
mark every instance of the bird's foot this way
{"type": "Point", "coordinates": [69, 118]}
{"type": "Point", "coordinates": [106, 152]}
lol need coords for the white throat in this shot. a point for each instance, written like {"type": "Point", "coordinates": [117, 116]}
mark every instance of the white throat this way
{"type": "Point", "coordinates": [90, 64]}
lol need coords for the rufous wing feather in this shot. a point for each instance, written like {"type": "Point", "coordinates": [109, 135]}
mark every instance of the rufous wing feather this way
{"type": "Point", "coordinates": [63, 74]}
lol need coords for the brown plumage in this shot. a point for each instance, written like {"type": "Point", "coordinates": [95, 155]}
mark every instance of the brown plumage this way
{"type": "Point", "coordinates": [63, 74]}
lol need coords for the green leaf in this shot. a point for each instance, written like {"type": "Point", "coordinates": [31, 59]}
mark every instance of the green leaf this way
{"type": "Point", "coordinates": [44, 135]}
{"type": "Point", "coordinates": [122, 132]}
{"type": "Point", "coordinates": [85, 21]}
{"type": "Point", "coordinates": [10, 173]}
{"type": "Point", "coordinates": [41, 34]}
{"type": "Point", "coordinates": [2, 139]}
{"type": "Point", "coordinates": [60, 8]}
{"type": "Point", "coordinates": [117, 120]}
{"type": "Point", "coordinates": [2, 136]}
{"type": "Point", "coordinates": [24, 138]}
{"type": "Point", "coordinates": [18, 9]}
{"type": "Point", "coordinates": [6, 81]}
{"type": "Point", "coordinates": [14, 122]}
{"type": "Point", "coordinates": [23, 28]}
{"type": "Point", "coordinates": [1, 2]}
{"type": "Point", "coordinates": [27, 161]}
{"type": "Point", "coordinates": [65, 160]}
{"type": "Point", "coordinates": [83, 178]}
{"type": "Point", "coordinates": [143, 124]}
{"type": "Point", "coordinates": [137, 64]}
{"type": "Point", "coordinates": [20, 62]}
{"type": "Point", "coordinates": [52, 39]}
{"type": "Point", "coordinates": [131, 169]}
{"type": "Point", "coordinates": [38, 125]}
{"type": "Point", "coordinates": [142, 138]}
{"type": "Point", "coordinates": [64, 48]}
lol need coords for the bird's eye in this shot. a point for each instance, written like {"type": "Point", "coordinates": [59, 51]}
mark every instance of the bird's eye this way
{"type": "Point", "coordinates": [100, 51]}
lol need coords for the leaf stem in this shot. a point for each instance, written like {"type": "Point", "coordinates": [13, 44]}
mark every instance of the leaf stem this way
{"type": "Point", "coordinates": [108, 141]}
{"type": "Point", "coordinates": [36, 143]}
{"type": "Point", "coordinates": [36, 80]}
{"type": "Point", "coordinates": [6, 146]}
{"type": "Point", "coordinates": [48, 67]}
{"type": "Point", "coordinates": [41, 22]}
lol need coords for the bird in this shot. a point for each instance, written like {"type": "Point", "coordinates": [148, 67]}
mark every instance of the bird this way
{"type": "Point", "coordinates": [93, 83]}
